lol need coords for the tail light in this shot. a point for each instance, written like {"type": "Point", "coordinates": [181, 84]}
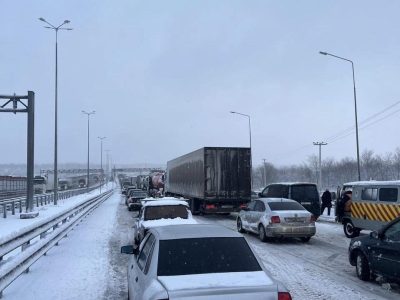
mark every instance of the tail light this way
{"type": "Point", "coordinates": [284, 296]}
{"type": "Point", "coordinates": [313, 218]}
{"type": "Point", "coordinates": [275, 219]}
{"type": "Point", "coordinates": [243, 205]}
{"type": "Point", "coordinates": [210, 206]}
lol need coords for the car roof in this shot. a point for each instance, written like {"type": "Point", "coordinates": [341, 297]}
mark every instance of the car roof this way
{"type": "Point", "coordinates": [292, 183]}
{"type": "Point", "coordinates": [373, 182]}
{"type": "Point", "coordinates": [267, 200]}
{"type": "Point", "coordinates": [173, 232]}
{"type": "Point", "coordinates": [163, 202]}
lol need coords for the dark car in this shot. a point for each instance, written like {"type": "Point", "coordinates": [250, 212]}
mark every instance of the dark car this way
{"type": "Point", "coordinates": [304, 193]}
{"type": "Point", "coordinates": [377, 253]}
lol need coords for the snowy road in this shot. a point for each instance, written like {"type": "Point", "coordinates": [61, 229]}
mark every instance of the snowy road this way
{"type": "Point", "coordinates": [88, 265]}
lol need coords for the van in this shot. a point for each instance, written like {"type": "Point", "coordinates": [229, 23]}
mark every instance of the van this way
{"type": "Point", "coordinates": [374, 204]}
{"type": "Point", "coordinates": [304, 193]}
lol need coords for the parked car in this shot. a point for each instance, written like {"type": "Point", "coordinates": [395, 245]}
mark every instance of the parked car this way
{"type": "Point", "coordinates": [161, 213]}
{"type": "Point", "coordinates": [134, 199]}
{"type": "Point", "coordinates": [129, 192]}
{"type": "Point", "coordinates": [198, 262]}
{"type": "Point", "coordinates": [276, 217]}
{"type": "Point", "coordinates": [304, 193]}
{"type": "Point", "coordinates": [377, 253]}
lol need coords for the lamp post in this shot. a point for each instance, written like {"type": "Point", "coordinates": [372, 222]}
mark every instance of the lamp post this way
{"type": "Point", "coordinates": [355, 107]}
{"type": "Point", "coordinates": [88, 131]}
{"type": "Point", "coordinates": [251, 156]}
{"type": "Point", "coordinates": [56, 29]}
{"type": "Point", "coordinates": [101, 138]}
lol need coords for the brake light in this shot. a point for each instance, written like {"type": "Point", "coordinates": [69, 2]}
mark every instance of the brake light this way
{"type": "Point", "coordinates": [284, 296]}
{"type": "Point", "coordinates": [313, 219]}
{"type": "Point", "coordinates": [243, 205]}
{"type": "Point", "coordinates": [210, 206]}
{"type": "Point", "coordinates": [275, 219]}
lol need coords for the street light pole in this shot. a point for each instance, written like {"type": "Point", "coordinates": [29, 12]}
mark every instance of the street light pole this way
{"type": "Point", "coordinates": [320, 165]}
{"type": "Point", "coordinates": [265, 172]}
{"type": "Point", "coordinates": [355, 108]}
{"type": "Point", "coordinates": [251, 155]}
{"type": "Point", "coordinates": [88, 145]}
{"type": "Point", "coordinates": [56, 29]}
{"type": "Point", "coordinates": [101, 138]}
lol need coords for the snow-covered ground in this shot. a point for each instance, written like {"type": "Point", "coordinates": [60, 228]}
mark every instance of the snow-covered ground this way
{"type": "Point", "coordinates": [88, 265]}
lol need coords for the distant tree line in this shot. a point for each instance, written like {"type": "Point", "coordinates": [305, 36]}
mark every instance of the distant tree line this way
{"type": "Point", "coordinates": [334, 173]}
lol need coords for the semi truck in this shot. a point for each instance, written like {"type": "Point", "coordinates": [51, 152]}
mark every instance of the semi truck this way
{"type": "Point", "coordinates": [212, 179]}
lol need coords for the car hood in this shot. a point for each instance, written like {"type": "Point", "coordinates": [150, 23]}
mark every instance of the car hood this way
{"type": "Point", "coordinates": [165, 222]}
{"type": "Point", "coordinates": [237, 285]}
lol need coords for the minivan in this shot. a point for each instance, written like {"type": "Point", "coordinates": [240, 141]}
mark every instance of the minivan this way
{"type": "Point", "coordinates": [304, 193]}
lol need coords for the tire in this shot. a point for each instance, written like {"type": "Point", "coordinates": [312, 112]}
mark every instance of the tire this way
{"type": "Point", "coordinates": [239, 226]}
{"type": "Point", "coordinates": [362, 267]}
{"type": "Point", "coordinates": [305, 239]}
{"type": "Point", "coordinates": [349, 230]}
{"type": "Point", "coordinates": [261, 233]}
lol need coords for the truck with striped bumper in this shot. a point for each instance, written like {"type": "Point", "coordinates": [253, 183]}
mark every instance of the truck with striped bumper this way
{"type": "Point", "coordinates": [374, 204]}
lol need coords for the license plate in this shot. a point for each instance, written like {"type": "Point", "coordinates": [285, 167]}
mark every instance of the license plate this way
{"type": "Point", "coordinates": [226, 206]}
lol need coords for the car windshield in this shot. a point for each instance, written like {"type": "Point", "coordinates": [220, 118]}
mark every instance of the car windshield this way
{"type": "Point", "coordinates": [285, 206]}
{"type": "Point", "coordinates": [165, 212]}
{"type": "Point", "coordinates": [304, 193]}
{"type": "Point", "coordinates": [205, 255]}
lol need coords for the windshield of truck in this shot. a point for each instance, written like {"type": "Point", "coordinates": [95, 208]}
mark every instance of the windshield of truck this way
{"type": "Point", "coordinates": [165, 212]}
{"type": "Point", "coordinates": [205, 255]}
{"type": "Point", "coordinates": [305, 193]}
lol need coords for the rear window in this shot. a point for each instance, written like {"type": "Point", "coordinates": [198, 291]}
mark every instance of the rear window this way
{"type": "Point", "coordinates": [165, 212]}
{"type": "Point", "coordinates": [205, 255]}
{"type": "Point", "coordinates": [285, 206]}
{"type": "Point", "coordinates": [305, 193]}
{"type": "Point", "coordinates": [139, 194]}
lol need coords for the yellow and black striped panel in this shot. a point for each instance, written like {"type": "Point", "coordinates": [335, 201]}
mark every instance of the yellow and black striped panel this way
{"type": "Point", "coordinates": [375, 211]}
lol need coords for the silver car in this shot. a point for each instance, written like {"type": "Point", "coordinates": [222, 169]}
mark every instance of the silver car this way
{"type": "Point", "coordinates": [276, 217]}
{"type": "Point", "coordinates": [198, 262]}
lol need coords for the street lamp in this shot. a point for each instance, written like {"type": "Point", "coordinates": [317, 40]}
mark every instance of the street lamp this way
{"type": "Point", "coordinates": [101, 138]}
{"type": "Point", "coordinates": [56, 29]}
{"type": "Point", "coordinates": [88, 126]}
{"type": "Point", "coordinates": [251, 156]}
{"type": "Point", "coordinates": [355, 108]}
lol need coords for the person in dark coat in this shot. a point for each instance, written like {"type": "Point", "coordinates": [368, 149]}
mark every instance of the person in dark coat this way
{"type": "Point", "coordinates": [344, 205]}
{"type": "Point", "coordinates": [326, 202]}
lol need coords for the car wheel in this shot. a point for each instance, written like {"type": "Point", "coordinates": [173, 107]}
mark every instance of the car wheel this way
{"type": "Point", "coordinates": [349, 230]}
{"type": "Point", "coordinates": [362, 267]}
{"type": "Point", "coordinates": [239, 226]}
{"type": "Point", "coordinates": [305, 239]}
{"type": "Point", "coordinates": [261, 233]}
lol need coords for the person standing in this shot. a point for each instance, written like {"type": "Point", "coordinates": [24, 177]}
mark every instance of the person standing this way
{"type": "Point", "coordinates": [326, 202]}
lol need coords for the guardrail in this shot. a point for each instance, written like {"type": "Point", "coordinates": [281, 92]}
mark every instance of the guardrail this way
{"type": "Point", "coordinates": [39, 200]}
{"type": "Point", "coordinates": [49, 231]}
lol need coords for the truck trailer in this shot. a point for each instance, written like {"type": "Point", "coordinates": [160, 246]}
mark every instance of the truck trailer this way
{"type": "Point", "coordinates": [213, 179]}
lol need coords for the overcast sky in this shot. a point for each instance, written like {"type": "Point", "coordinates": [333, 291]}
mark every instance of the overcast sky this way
{"type": "Point", "coordinates": [162, 77]}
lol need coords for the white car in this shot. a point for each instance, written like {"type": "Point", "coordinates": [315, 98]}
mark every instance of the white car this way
{"type": "Point", "coordinates": [198, 262]}
{"type": "Point", "coordinates": [276, 217]}
{"type": "Point", "coordinates": [161, 212]}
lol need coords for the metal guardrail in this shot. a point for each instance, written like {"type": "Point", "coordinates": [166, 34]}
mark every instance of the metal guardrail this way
{"type": "Point", "coordinates": [50, 233]}
{"type": "Point", "coordinates": [39, 200]}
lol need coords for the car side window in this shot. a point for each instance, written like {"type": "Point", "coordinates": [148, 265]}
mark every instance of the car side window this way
{"type": "Point", "coordinates": [265, 192]}
{"type": "Point", "coordinates": [388, 194]}
{"type": "Point", "coordinates": [145, 253]}
{"type": "Point", "coordinates": [393, 233]}
{"type": "Point", "coordinates": [251, 205]}
{"type": "Point", "coordinates": [369, 194]}
{"type": "Point", "coordinates": [259, 206]}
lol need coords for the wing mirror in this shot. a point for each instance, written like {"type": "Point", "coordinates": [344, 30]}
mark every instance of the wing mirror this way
{"type": "Point", "coordinates": [260, 195]}
{"type": "Point", "coordinates": [375, 235]}
{"type": "Point", "coordinates": [129, 249]}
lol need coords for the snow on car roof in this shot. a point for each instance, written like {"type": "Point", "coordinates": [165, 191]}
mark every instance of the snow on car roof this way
{"type": "Point", "coordinates": [277, 200]}
{"type": "Point", "coordinates": [173, 232]}
{"type": "Point", "coordinates": [372, 182]}
{"type": "Point", "coordinates": [163, 201]}
{"type": "Point", "coordinates": [291, 183]}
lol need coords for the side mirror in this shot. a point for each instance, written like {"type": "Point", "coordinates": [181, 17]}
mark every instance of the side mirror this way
{"type": "Point", "coordinates": [129, 249]}
{"type": "Point", "coordinates": [374, 235]}
{"type": "Point", "coordinates": [260, 195]}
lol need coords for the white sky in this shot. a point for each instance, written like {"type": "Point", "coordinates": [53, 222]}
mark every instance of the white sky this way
{"type": "Point", "coordinates": [163, 76]}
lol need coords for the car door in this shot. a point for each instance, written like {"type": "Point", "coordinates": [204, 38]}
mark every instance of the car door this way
{"type": "Point", "coordinates": [259, 212]}
{"type": "Point", "coordinates": [386, 253]}
{"type": "Point", "coordinates": [138, 268]}
{"type": "Point", "coordinates": [247, 215]}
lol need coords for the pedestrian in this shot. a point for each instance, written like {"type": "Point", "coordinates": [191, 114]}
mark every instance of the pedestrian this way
{"type": "Point", "coordinates": [326, 202]}
{"type": "Point", "coordinates": [344, 205]}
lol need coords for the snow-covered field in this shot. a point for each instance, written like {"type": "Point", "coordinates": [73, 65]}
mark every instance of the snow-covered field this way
{"type": "Point", "coordinates": [88, 265]}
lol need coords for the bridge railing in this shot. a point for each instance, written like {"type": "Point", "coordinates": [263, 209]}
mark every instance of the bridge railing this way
{"type": "Point", "coordinates": [34, 242]}
{"type": "Point", "coordinates": [17, 204]}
